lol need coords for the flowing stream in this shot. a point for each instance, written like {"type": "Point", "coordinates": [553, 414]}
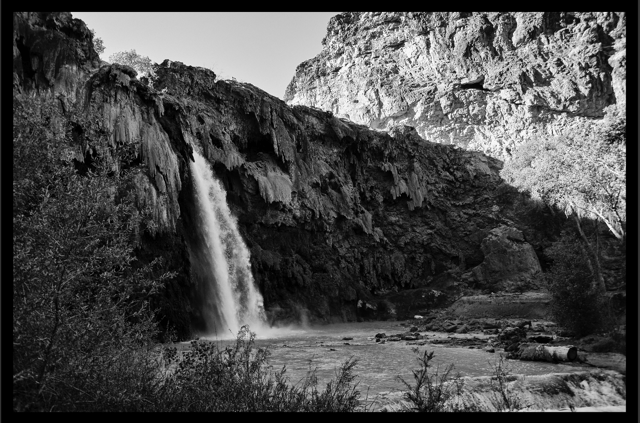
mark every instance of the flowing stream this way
{"type": "Point", "coordinates": [326, 347]}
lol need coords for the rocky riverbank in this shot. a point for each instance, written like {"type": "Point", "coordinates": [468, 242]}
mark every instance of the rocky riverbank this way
{"type": "Point", "coordinates": [584, 391]}
{"type": "Point", "coordinates": [504, 322]}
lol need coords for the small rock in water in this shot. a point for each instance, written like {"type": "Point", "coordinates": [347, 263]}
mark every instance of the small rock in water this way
{"type": "Point", "coordinates": [541, 339]}
{"type": "Point", "coordinates": [490, 349]}
{"type": "Point", "coordinates": [417, 316]}
{"type": "Point", "coordinates": [413, 329]}
{"type": "Point", "coordinates": [346, 343]}
{"type": "Point", "coordinates": [332, 349]}
{"type": "Point", "coordinates": [381, 335]}
{"type": "Point", "coordinates": [450, 328]}
{"type": "Point", "coordinates": [347, 339]}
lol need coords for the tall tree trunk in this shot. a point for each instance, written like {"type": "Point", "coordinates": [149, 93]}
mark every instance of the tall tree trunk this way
{"type": "Point", "coordinates": [591, 256]}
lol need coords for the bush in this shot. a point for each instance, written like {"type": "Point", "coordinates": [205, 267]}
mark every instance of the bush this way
{"type": "Point", "coordinates": [80, 308]}
{"type": "Point", "coordinates": [432, 392]}
{"type": "Point", "coordinates": [576, 305]}
{"type": "Point", "coordinates": [442, 391]}
{"type": "Point", "coordinates": [502, 396]}
{"type": "Point", "coordinates": [237, 378]}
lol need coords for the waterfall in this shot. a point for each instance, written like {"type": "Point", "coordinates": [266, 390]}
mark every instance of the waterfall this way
{"type": "Point", "coordinates": [233, 299]}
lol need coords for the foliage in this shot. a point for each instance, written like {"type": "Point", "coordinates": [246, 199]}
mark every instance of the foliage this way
{"type": "Point", "coordinates": [442, 391]}
{"type": "Point", "coordinates": [79, 305]}
{"type": "Point", "coordinates": [583, 172]}
{"type": "Point", "coordinates": [237, 378]}
{"type": "Point", "coordinates": [98, 44]}
{"type": "Point", "coordinates": [503, 397]}
{"type": "Point", "coordinates": [576, 304]}
{"type": "Point", "coordinates": [142, 64]}
{"type": "Point", "coordinates": [432, 392]}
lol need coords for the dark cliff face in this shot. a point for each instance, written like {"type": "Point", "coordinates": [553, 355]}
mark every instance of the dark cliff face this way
{"type": "Point", "coordinates": [52, 52]}
{"type": "Point", "coordinates": [333, 212]}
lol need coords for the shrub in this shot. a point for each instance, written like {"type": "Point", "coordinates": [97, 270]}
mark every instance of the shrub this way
{"type": "Point", "coordinates": [237, 378]}
{"type": "Point", "coordinates": [432, 392]}
{"type": "Point", "coordinates": [142, 64]}
{"type": "Point", "coordinates": [80, 308]}
{"type": "Point", "coordinates": [502, 396]}
{"type": "Point", "coordinates": [442, 391]}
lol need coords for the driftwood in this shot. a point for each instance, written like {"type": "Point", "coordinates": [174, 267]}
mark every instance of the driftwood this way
{"type": "Point", "coordinates": [537, 352]}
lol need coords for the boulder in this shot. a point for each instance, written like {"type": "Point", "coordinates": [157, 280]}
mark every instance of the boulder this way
{"type": "Point", "coordinates": [450, 327]}
{"type": "Point", "coordinates": [490, 324]}
{"type": "Point", "coordinates": [462, 329]}
{"type": "Point", "coordinates": [541, 339]}
{"type": "Point", "coordinates": [512, 334]}
{"type": "Point", "coordinates": [509, 261]}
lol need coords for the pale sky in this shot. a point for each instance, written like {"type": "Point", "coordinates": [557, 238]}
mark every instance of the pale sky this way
{"type": "Point", "coordinates": [261, 48]}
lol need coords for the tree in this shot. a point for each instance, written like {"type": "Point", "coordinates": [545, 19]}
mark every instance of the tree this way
{"type": "Point", "coordinates": [582, 173]}
{"type": "Point", "coordinates": [142, 64]}
{"type": "Point", "coordinates": [79, 303]}
{"type": "Point", "coordinates": [98, 44]}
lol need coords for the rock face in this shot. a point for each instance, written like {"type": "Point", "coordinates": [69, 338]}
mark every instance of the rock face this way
{"type": "Point", "coordinates": [333, 212]}
{"type": "Point", "coordinates": [483, 81]}
{"type": "Point", "coordinates": [509, 261]}
{"type": "Point", "coordinates": [52, 53]}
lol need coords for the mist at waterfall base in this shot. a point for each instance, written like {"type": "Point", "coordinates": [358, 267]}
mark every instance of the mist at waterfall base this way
{"type": "Point", "coordinates": [221, 263]}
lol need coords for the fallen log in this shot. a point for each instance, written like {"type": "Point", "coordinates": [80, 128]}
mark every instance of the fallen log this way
{"type": "Point", "coordinates": [537, 352]}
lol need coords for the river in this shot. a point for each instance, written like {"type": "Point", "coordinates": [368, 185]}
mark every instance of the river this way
{"type": "Point", "coordinates": [379, 365]}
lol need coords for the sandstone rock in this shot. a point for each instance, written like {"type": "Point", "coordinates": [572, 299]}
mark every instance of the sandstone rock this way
{"type": "Point", "coordinates": [508, 260]}
{"type": "Point", "coordinates": [484, 81]}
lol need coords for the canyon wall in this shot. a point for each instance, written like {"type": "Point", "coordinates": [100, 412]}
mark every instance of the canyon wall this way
{"type": "Point", "coordinates": [334, 213]}
{"type": "Point", "coordinates": [482, 81]}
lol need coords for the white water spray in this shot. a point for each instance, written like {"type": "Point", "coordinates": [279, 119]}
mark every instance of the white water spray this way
{"type": "Point", "coordinates": [227, 267]}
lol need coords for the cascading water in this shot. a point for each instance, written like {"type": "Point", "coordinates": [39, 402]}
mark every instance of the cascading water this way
{"type": "Point", "coordinates": [224, 262]}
